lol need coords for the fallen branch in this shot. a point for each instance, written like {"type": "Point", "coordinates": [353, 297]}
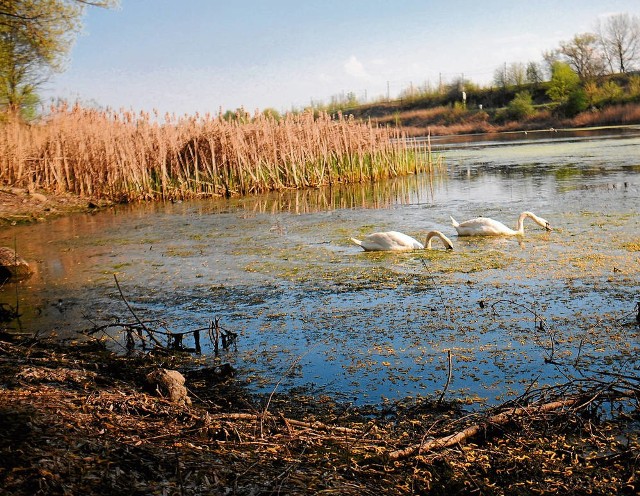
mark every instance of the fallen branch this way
{"type": "Point", "coordinates": [289, 422]}
{"type": "Point", "coordinates": [459, 437]}
{"type": "Point", "coordinates": [140, 331]}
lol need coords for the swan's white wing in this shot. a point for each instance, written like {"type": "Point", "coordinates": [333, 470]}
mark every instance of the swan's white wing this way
{"type": "Point", "coordinates": [390, 241]}
{"type": "Point", "coordinates": [403, 242]}
{"type": "Point", "coordinates": [482, 226]}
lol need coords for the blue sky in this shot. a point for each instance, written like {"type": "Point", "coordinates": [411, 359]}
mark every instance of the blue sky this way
{"type": "Point", "coordinates": [188, 56]}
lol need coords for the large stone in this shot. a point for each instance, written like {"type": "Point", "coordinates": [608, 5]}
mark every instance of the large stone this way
{"type": "Point", "coordinates": [170, 383]}
{"type": "Point", "coordinates": [13, 266]}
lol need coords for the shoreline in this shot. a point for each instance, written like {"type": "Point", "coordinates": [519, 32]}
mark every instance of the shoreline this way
{"type": "Point", "coordinates": [18, 206]}
{"type": "Point", "coordinates": [78, 420]}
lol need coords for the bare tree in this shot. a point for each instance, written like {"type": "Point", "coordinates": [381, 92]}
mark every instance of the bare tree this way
{"type": "Point", "coordinates": [583, 53]}
{"type": "Point", "coordinates": [500, 76]}
{"type": "Point", "coordinates": [620, 39]}
{"type": "Point", "coordinates": [550, 57]}
{"type": "Point", "coordinates": [516, 74]}
{"type": "Point", "coordinates": [535, 74]}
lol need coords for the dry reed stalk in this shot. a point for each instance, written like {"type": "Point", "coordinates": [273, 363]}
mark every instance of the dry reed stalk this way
{"type": "Point", "coordinates": [124, 156]}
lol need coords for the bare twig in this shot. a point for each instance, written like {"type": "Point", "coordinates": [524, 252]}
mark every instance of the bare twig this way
{"type": "Point", "coordinates": [273, 391]}
{"type": "Point", "coordinates": [149, 333]}
{"type": "Point", "coordinates": [446, 386]}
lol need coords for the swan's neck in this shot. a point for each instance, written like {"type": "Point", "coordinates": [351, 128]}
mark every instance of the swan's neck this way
{"type": "Point", "coordinates": [520, 226]}
{"type": "Point", "coordinates": [440, 236]}
{"type": "Point", "coordinates": [533, 217]}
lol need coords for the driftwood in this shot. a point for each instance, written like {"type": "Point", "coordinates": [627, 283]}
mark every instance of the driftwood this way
{"type": "Point", "coordinates": [461, 436]}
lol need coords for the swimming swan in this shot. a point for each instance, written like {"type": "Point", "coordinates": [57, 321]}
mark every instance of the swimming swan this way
{"type": "Point", "coordinates": [397, 241]}
{"type": "Point", "coordinates": [483, 226]}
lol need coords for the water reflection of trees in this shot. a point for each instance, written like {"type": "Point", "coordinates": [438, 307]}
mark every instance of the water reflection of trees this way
{"type": "Point", "coordinates": [413, 189]}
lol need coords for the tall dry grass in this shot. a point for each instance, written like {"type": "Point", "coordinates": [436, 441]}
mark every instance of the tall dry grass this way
{"type": "Point", "coordinates": [613, 115]}
{"type": "Point", "coordinates": [124, 156]}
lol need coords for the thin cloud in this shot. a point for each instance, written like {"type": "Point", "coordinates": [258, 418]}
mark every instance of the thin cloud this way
{"type": "Point", "coordinates": [353, 67]}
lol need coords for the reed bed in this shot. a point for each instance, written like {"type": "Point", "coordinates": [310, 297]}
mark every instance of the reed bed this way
{"type": "Point", "coordinates": [623, 114]}
{"type": "Point", "coordinates": [126, 156]}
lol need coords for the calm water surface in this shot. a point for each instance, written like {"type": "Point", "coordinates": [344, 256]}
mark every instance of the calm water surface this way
{"type": "Point", "coordinates": [312, 310]}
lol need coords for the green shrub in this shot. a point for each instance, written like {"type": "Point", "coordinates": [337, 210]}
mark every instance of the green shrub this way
{"type": "Point", "coordinates": [521, 106]}
{"type": "Point", "coordinates": [610, 92]}
{"type": "Point", "coordinates": [577, 102]}
{"type": "Point", "coordinates": [563, 82]}
{"type": "Point", "coordinates": [634, 86]}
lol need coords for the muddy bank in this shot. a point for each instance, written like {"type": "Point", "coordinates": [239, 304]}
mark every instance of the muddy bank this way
{"type": "Point", "coordinates": [20, 206]}
{"type": "Point", "coordinates": [77, 419]}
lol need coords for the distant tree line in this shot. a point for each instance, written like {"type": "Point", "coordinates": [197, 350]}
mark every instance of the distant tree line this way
{"type": "Point", "coordinates": [613, 48]}
{"type": "Point", "coordinates": [590, 70]}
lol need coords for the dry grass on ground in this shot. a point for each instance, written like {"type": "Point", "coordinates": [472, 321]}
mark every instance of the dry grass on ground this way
{"type": "Point", "coordinates": [78, 420]}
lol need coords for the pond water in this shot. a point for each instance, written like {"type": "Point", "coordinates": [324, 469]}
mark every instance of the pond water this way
{"type": "Point", "coordinates": [313, 311]}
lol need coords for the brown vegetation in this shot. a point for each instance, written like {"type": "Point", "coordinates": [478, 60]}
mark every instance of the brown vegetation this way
{"type": "Point", "coordinates": [80, 420]}
{"type": "Point", "coordinates": [442, 121]}
{"type": "Point", "coordinates": [609, 116]}
{"type": "Point", "coordinates": [125, 156]}
{"type": "Point", "coordinates": [116, 157]}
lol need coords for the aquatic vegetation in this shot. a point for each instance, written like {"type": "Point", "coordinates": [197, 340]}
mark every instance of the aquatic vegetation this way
{"type": "Point", "coordinates": [632, 246]}
{"type": "Point", "coordinates": [123, 156]}
{"type": "Point", "coordinates": [280, 271]}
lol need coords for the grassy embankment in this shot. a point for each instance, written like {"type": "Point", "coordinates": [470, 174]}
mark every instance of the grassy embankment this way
{"type": "Point", "coordinates": [128, 157]}
{"type": "Point", "coordinates": [612, 100]}
{"type": "Point", "coordinates": [448, 120]}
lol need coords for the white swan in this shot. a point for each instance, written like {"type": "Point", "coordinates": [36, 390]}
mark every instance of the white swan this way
{"type": "Point", "coordinates": [397, 241]}
{"type": "Point", "coordinates": [483, 226]}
